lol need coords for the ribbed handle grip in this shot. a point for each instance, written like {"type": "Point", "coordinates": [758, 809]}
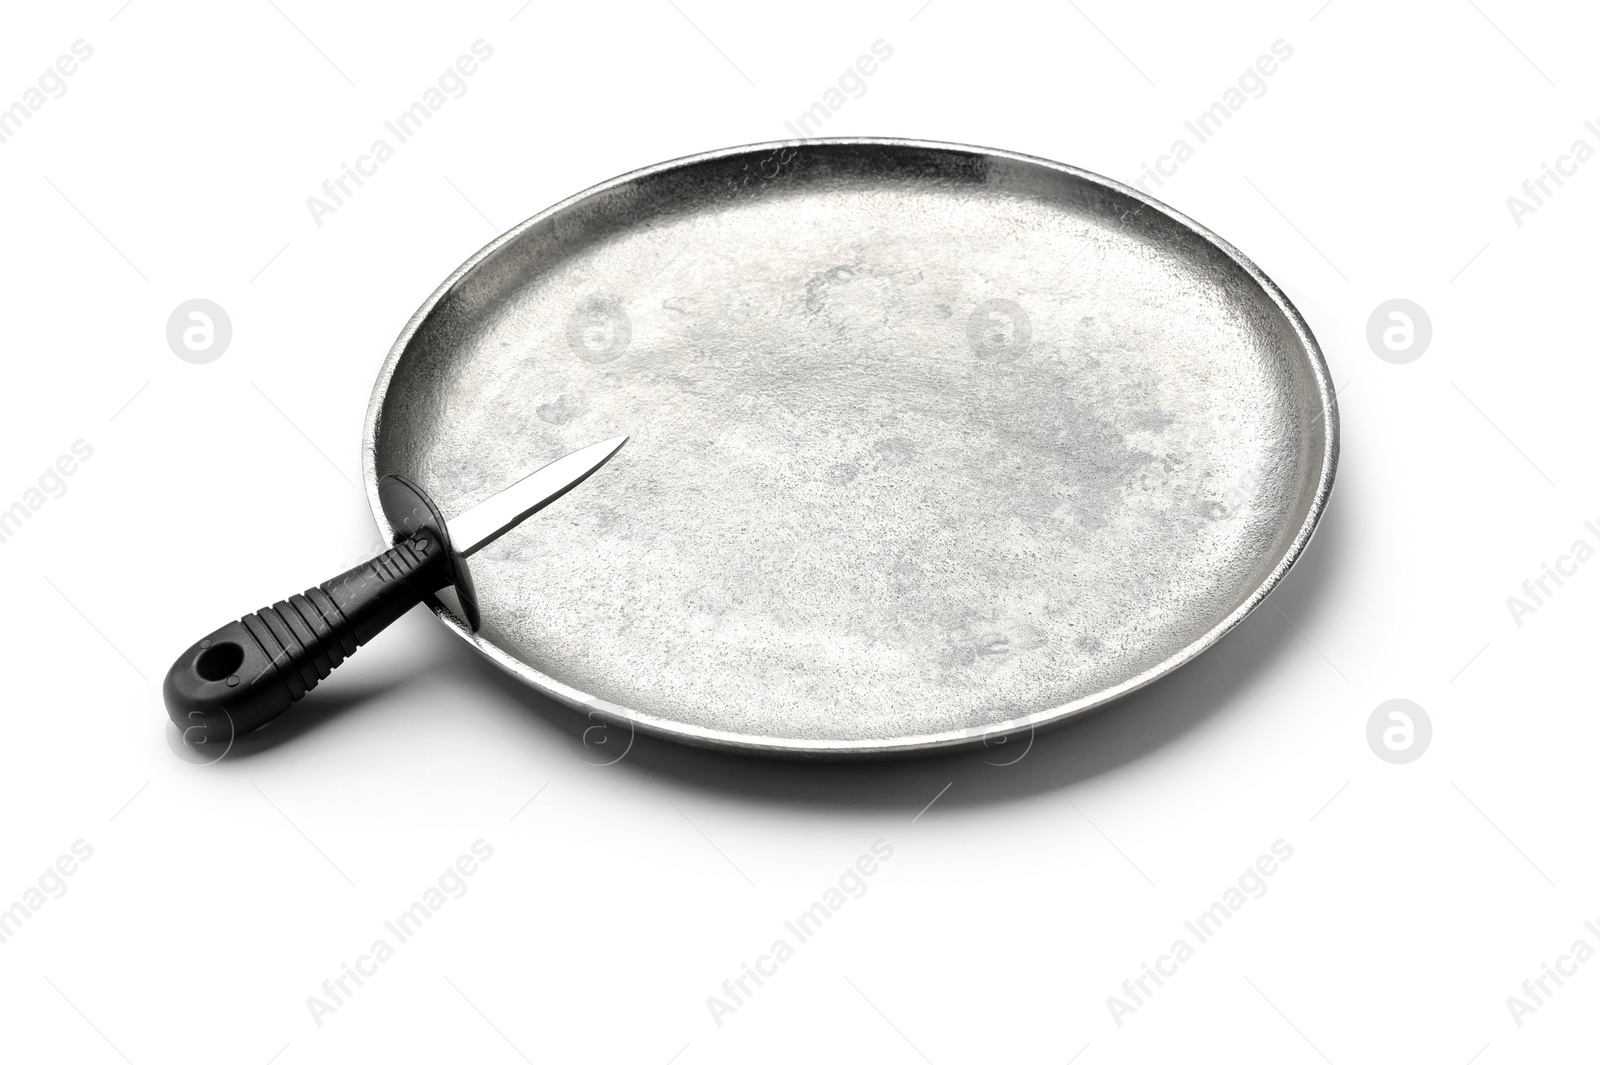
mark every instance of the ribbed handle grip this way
{"type": "Point", "coordinates": [251, 670]}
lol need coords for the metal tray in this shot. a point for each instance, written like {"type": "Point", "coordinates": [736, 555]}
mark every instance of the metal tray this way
{"type": "Point", "coordinates": [932, 444]}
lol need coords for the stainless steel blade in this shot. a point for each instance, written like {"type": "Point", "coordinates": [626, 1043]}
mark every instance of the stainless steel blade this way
{"type": "Point", "coordinates": [500, 513]}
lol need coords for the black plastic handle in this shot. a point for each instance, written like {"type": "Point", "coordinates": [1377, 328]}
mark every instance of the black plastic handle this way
{"type": "Point", "coordinates": [251, 670]}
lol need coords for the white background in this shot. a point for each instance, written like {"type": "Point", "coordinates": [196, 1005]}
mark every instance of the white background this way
{"type": "Point", "coordinates": [220, 897]}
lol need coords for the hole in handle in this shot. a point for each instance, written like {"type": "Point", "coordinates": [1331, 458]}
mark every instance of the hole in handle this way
{"type": "Point", "coordinates": [219, 661]}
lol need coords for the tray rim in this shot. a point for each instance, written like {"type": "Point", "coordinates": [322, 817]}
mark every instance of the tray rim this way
{"type": "Point", "coordinates": [948, 740]}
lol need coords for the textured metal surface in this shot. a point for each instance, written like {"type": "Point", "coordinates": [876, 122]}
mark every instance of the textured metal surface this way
{"type": "Point", "coordinates": [929, 443]}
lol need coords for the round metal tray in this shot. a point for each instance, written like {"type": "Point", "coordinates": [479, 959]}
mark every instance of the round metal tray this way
{"type": "Point", "coordinates": [931, 444]}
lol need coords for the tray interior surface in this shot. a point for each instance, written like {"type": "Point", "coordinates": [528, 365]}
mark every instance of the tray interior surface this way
{"type": "Point", "coordinates": [928, 443]}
